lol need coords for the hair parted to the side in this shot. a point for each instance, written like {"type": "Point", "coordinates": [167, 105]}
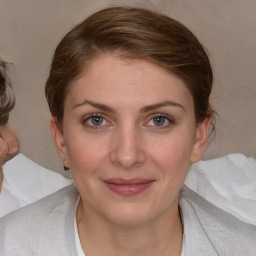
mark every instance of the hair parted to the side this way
{"type": "Point", "coordinates": [7, 100]}
{"type": "Point", "coordinates": [137, 34]}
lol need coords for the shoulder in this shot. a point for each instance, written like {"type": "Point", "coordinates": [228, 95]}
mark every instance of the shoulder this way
{"type": "Point", "coordinates": [215, 231]}
{"type": "Point", "coordinates": [30, 181]}
{"type": "Point", "coordinates": [43, 222]}
{"type": "Point", "coordinates": [238, 195]}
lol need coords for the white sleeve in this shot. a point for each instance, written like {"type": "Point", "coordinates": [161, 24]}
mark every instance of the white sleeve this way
{"type": "Point", "coordinates": [229, 183]}
{"type": "Point", "coordinates": [26, 181]}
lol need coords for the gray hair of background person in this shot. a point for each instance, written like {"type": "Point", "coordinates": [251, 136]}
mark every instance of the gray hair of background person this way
{"type": "Point", "coordinates": [7, 100]}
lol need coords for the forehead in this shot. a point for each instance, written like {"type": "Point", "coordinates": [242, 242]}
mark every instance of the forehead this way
{"type": "Point", "coordinates": [113, 79]}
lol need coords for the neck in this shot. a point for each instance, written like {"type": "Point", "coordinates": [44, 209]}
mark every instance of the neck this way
{"type": "Point", "coordinates": [161, 236]}
{"type": "Point", "coordinates": [1, 178]}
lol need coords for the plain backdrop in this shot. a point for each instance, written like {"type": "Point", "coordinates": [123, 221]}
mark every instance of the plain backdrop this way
{"type": "Point", "coordinates": [30, 31]}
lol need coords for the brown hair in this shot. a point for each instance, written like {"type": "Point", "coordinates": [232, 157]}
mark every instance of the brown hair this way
{"type": "Point", "coordinates": [133, 33]}
{"type": "Point", "coordinates": [7, 100]}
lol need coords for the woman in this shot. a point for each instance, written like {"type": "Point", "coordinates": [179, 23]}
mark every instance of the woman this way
{"type": "Point", "coordinates": [129, 94]}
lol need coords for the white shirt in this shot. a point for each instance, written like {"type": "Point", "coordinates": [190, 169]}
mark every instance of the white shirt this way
{"type": "Point", "coordinates": [79, 248]}
{"type": "Point", "coordinates": [25, 182]}
{"type": "Point", "coordinates": [229, 183]}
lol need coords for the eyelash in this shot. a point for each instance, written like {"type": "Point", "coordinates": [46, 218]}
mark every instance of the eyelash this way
{"type": "Point", "coordinates": [150, 118]}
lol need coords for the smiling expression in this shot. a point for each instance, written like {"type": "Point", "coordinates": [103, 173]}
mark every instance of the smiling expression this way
{"type": "Point", "coordinates": [129, 136]}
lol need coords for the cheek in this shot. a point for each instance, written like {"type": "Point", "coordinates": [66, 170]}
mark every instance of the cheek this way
{"type": "Point", "coordinates": [85, 154]}
{"type": "Point", "coordinates": [172, 154]}
{"type": "Point", "coordinates": [85, 160]}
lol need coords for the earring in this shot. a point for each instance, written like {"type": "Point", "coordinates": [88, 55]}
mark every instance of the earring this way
{"type": "Point", "coordinates": [65, 166]}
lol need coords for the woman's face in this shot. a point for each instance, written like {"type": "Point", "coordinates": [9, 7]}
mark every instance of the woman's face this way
{"type": "Point", "coordinates": [129, 135]}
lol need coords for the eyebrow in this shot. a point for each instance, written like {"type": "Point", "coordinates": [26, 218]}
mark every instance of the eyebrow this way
{"type": "Point", "coordinates": [143, 110]}
{"type": "Point", "coordinates": [96, 105]}
{"type": "Point", "coordinates": [162, 104]}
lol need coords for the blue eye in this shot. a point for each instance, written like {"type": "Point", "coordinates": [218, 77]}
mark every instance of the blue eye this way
{"type": "Point", "coordinates": [159, 120]}
{"type": "Point", "coordinates": [96, 120]}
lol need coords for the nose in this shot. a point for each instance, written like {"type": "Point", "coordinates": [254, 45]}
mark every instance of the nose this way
{"type": "Point", "coordinates": [127, 151]}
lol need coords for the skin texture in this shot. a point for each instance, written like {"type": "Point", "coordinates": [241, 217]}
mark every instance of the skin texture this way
{"type": "Point", "coordinates": [129, 143]}
{"type": "Point", "coordinates": [9, 147]}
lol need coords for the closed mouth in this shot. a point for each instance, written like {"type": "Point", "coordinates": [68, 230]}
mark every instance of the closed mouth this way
{"type": "Point", "coordinates": [128, 187]}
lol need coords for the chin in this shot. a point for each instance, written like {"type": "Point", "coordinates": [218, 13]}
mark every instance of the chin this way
{"type": "Point", "coordinates": [129, 216]}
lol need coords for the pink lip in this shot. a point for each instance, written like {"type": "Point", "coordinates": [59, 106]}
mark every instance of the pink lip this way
{"type": "Point", "coordinates": [128, 187]}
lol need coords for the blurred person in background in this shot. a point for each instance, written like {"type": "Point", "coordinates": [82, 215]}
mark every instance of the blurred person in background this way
{"type": "Point", "coordinates": [9, 143]}
{"type": "Point", "coordinates": [22, 181]}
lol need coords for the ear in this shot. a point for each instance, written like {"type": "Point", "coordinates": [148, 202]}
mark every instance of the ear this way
{"type": "Point", "coordinates": [201, 139]}
{"type": "Point", "coordinates": [58, 139]}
